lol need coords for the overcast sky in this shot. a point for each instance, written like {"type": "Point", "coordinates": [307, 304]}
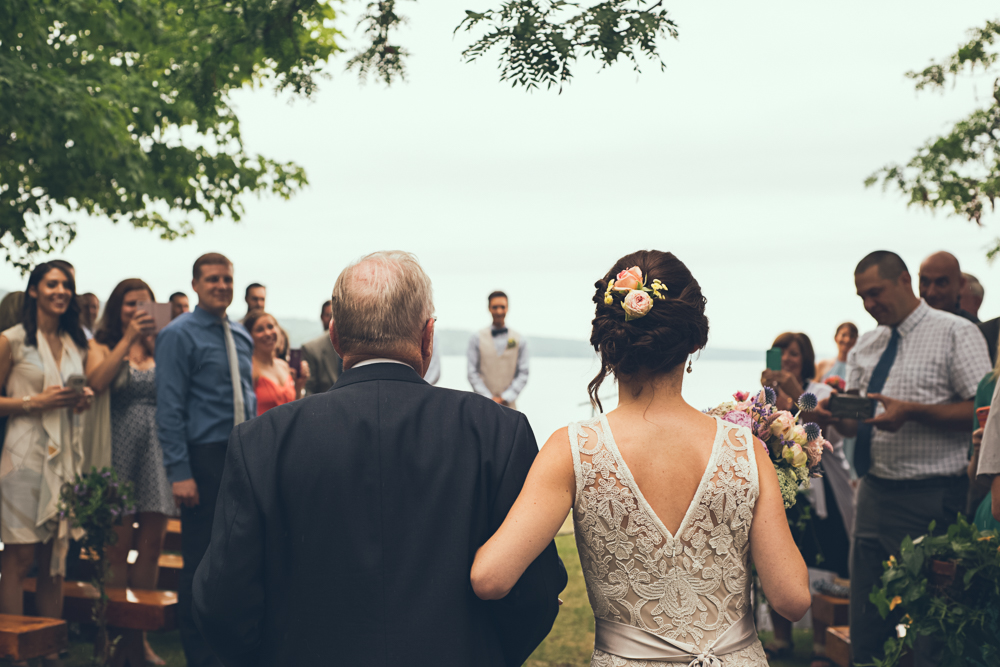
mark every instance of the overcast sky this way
{"type": "Point", "coordinates": [745, 158]}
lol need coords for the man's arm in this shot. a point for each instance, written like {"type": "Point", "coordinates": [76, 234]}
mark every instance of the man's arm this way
{"type": "Point", "coordinates": [525, 616]}
{"type": "Point", "coordinates": [947, 416]}
{"type": "Point", "coordinates": [172, 384]}
{"type": "Point", "coordinates": [475, 379]}
{"type": "Point", "coordinates": [520, 375]}
{"type": "Point", "coordinates": [228, 586]}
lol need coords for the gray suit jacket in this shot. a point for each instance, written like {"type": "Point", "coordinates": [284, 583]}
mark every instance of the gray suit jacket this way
{"type": "Point", "coordinates": [324, 364]}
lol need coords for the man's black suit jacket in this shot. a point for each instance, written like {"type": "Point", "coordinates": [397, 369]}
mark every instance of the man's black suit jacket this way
{"type": "Point", "coordinates": [347, 523]}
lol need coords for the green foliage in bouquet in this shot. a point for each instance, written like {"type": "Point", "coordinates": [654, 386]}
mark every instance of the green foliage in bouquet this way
{"type": "Point", "coordinates": [946, 587]}
{"type": "Point", "coordinates": [97, 502]}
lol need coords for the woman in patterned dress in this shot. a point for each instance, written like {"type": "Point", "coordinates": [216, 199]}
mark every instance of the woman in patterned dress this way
{"type": "Point", "coordinates": [669, 504]}
{"type": "Point", "coordinates": [121, 360]}
{"type": "Point", "coordinates": [42, 445]}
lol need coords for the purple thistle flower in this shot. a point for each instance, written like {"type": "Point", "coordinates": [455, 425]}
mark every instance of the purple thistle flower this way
{"type": "Point", "coordinates": [812, 431]}
{"type": "Point", "coordinates": [808, 401]}
{"type": "Point", "coordinates": [770, 397]}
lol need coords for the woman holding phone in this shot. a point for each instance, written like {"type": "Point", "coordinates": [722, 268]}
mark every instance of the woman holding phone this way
{"type": "Point", "coordinates": [40, 359]}
{"type": "Point", "coordinates": [274, 381]}
{"type": "Point", "coordinates": [121, 362]}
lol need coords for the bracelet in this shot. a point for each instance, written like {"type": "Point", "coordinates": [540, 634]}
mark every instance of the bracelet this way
{"type": "Point", "coordinates": [26, 404]}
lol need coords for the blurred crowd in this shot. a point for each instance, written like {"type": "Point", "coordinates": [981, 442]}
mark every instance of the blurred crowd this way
{"type": "Point", "coordinates": [929, 369]}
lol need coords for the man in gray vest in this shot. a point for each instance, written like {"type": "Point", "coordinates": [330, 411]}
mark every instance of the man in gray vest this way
{"type": "Point", "coordinates": [498, 357]}
{"type": "Point", "coordinates": [324, 364]}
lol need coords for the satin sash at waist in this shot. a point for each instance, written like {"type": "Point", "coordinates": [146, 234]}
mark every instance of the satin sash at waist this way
{"type": "Point", "coordinates": [631, 643]}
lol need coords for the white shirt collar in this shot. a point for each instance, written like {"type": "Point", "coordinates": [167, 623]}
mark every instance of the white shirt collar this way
{"type": "Point", "coordinates": [379, 360]}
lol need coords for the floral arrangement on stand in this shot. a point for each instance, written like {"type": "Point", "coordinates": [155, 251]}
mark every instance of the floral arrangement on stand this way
{"type": "Point", "coordinates": [795, 448]}
{"type": "Point", "coordinates": [96, 502]}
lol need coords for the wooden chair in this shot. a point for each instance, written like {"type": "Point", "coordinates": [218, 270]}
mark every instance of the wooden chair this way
{"type": "Point", "coordinates": [827, 611]}
{"type": "Point", "coordinates": [27, 637]}
{"type": "Point", "coordinates": [838, 645]}
{"type": "Point", "coordinates": [173, 539]}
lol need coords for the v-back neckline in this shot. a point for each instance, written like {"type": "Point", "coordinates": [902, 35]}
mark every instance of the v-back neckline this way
{"type": "Point", "coordinates": [637, 492]}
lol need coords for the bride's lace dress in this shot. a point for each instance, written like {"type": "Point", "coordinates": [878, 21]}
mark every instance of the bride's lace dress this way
{"type": "Point", "coordinates": [690, 588]}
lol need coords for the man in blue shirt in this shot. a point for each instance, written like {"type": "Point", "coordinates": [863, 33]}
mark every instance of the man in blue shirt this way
{"type": "Point", "coordinates": [198, 402]}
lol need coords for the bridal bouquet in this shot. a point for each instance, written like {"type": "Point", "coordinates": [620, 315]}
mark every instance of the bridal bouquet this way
{"type": "Point", "coordinates": [795, 448]}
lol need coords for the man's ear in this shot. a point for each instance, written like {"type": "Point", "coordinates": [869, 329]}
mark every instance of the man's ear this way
{"type": "Point", "coordinates": [427, 341]}
{"type": "Point", "coordinates": [335, 339]}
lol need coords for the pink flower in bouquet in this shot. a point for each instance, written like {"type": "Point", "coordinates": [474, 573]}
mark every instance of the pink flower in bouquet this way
{"type": "Point", "coordinates": [629, 279]}
{"type": "Point", "coordinates": [741, 396]}
{"type": "Point", "coordinates": [637, 304]}
{"type": "Point", "coordinates": [814, 452]}
{"type": "Point", "coordinates": [836, 382]}
{"type": "Point", "coordinates": [798, 435]}
{"type": "Point", "coordinates": [739, 418]}
{"type": "Point", "coordinates": [782, 423]}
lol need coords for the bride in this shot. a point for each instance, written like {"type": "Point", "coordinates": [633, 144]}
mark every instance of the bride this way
{"type": "Point", "coordinates": [669, 504]}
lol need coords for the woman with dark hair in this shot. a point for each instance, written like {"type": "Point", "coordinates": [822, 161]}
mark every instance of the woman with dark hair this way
{"type": "Point", "coordinates": [121, 363]}
{"type": "Point", "coordinates": [823, 538]}
{"type": "Point", "coordinates": [274, 381]}
{"type": "Point", "coordinates": [668, 502]}
{"type": "Point", "coordinates": [845, 337]}
{"type": "Point", "coordinates": [42, 447]}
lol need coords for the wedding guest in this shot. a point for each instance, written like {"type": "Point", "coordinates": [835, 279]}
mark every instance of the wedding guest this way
{"type": "Point", "coordinates": [377, 492]}
{"type": "Point", "coordinates": [42, 450]}
{"type": "Point", "coordinates": [823, 538]}
{"type": "Point", "coordinates": [255, 297]}
{"type": "Point", "coordinates": [970, 299]}
{"type": "Point", "coordinates": [90, 306]}
{"type": "Point", "coordinates": [281, 346]}
{"type": "Point", "coordinates": [922, 366]}
{"type": "Point", "coordinates": [325, 365]}
{"type": "Point", "coordinates": [274, 382]}
{"type": "Point", "coordinates": [11, 307]}
{"type": "Point", "coordinates": [498, 357]}
{"type": "Point", "coordinates": [941, 284]}
{"type": "Point", "coordinates": [979, 503]}
{"type": "Point", "coordinates": [178, 304]}
{"type": "Point", "coordinates": [204, 387]}
{"type": "Point", "coordinates": [845, 338]}
{"type": "Point", "coordinates": [121, 361]}
{"type": "Point", "coordinates": [988, 514]}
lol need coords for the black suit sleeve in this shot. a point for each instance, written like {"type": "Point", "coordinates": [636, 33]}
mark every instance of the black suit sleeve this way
{"type": "Point", "coordinates": [229, 583]}
{"type": "Point", "coordinates": [525, 616]}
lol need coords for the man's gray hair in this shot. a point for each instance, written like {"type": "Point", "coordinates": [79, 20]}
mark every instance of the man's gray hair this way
{"type": "Point", "coordinates": [380, 301]}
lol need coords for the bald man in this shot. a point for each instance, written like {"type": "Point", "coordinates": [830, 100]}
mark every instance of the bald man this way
{"type": "Point", "coordinates": [971, 298]}
{"type": "Point", "coordinates": [941, 284]}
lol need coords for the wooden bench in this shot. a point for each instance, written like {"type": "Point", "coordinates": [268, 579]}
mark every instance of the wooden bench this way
{"type": "Point", "coordinates": [130, 611]}
{"type": "Point", "coordinates": [27, 637]}
{"type": "Point", "coordinates": [838, 645]}
{"type": "Point", "coordinates": [170, 572]}
{"type": "Point", "coordinates": [827, 611]}
{"type": "Point", "coordinates": [173, 539]}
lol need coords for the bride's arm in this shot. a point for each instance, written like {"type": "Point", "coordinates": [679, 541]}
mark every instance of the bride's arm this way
{"type": "Point", "coordinates": [532, 522]}
{"type": "Point", "coordinates": [779, 563]}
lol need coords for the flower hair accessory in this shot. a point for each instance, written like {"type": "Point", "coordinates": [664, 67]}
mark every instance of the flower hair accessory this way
{"type": "Point", "coordinates": [636, 299]}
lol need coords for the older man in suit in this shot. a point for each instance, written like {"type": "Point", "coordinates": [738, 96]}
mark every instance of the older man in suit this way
{"type": "Point", "coordinates": [348, 521]}
{"type": "Point", "coordinates": [324, 362]}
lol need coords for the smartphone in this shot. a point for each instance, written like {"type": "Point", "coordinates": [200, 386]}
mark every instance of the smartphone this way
{"type": "Point", "coordinates": [76, 383]}
{"type": "Point", "coordinates": [160, 312]}
{"type": "Point", "coordinates": [774, 359]}
{"type": "Point", "coordinates": [295, 359]}
{"type": "Point", "coordinates": [981, 414]}
{"type": "Point", "coordinates": [849, 406]}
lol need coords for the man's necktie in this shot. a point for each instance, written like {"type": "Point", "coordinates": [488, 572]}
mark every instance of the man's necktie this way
{"type": "Point", "coordinates": [239, 415]}
{"type": "Point", "coordinates": [863, 445]}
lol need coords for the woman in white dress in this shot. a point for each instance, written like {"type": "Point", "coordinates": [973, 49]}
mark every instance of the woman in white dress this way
{"type": "Point", "coordinates": [669, 504]}
{"type": "Point", "coordinates": [42, 448]}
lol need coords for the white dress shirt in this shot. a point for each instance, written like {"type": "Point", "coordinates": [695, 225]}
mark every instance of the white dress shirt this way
{"type": "Point", "coordinates": [511, 393]}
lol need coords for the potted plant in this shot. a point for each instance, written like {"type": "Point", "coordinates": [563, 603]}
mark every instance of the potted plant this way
{"type": "Point", "coordinates": [97, 502]}
{"type": "Point", "coordinates": [946, 587]}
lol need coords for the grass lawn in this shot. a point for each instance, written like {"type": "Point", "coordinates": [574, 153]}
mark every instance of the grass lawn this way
{"type": "Point", "coordinates": [570, 643]}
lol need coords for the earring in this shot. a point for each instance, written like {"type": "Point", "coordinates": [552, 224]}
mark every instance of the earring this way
{"type": "Point", "coordinates": [690, 368]}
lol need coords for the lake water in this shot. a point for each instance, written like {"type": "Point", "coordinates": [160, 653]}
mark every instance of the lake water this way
{"type": "Point", "coordinates": [556, 393]}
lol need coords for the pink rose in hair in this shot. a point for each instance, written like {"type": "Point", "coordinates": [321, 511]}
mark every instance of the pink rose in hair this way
{"type": "Point", "coordinates": [636, 304]}
{"type": "Point", "coordinates": [628, 279]}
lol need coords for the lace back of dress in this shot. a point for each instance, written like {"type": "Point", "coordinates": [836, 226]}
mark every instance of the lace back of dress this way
{"type": "Point", "coordinates": [690, 587]}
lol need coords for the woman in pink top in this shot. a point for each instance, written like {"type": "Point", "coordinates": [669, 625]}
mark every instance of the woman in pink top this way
{"type": "Point", "coordinates": [274, 382]}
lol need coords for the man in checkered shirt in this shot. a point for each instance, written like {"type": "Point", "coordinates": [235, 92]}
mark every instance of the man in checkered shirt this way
{"type": "Point", "coordinates": [931, 364]}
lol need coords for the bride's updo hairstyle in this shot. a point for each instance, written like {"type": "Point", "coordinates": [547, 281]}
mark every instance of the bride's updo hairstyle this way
{"type": "Point", "coordinates": [658, 341]}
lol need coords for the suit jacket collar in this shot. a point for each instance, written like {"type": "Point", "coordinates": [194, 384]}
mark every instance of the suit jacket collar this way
{"type": "Point", "coordinates": [397, 372]}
